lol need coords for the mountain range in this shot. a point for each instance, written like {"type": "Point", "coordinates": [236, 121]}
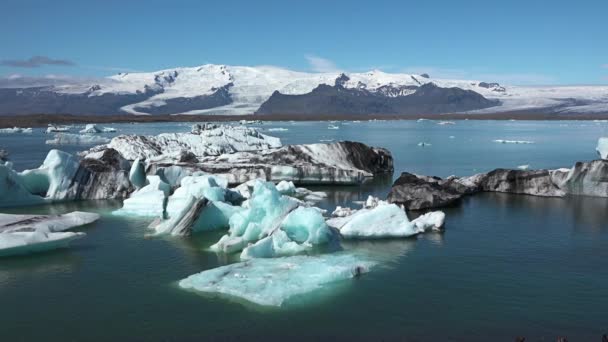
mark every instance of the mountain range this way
{"type": "Point", "coordinates": [268, 90]}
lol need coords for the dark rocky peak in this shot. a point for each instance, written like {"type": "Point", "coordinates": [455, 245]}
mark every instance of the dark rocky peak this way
{"type": "Point", "coordinates": [341, 80]}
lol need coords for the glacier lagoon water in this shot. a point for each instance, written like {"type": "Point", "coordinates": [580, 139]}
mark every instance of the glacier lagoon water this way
{"type": "Point", "coordinates": [506, 265]}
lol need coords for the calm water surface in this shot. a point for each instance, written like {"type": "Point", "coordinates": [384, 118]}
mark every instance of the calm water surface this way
{"type": "Point", "coordinates": [506, 265]}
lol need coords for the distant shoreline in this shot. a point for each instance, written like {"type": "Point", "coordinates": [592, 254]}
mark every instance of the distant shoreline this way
{"type": "Point", "coordinates": [42, 120]}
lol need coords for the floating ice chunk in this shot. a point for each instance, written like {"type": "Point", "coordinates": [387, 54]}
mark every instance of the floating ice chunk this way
{"type": "Point", "coordinates": [51, 223]}
{"type": "Point", "coordinates": [384, 221]}
{"type": "Point", "coordinates": [272, 282]}
{"type": "Point", "coordinates": [196, 205]}
{"type": "Point", "coordinates": [267, 209]}
{"type": "Point", "coordinates": [502, 141]}
{"type": "Point", "coordinates": [18, 243]}
{"type": "Point", "coordinates": [602, 147]}
{"type": "Point", "coordinates": [54, 177]}
{"type": "Point", "coordinates": [54, 129]}
{"type": "Point", "coordinates": [278, 129]}
{"type": "Point", "coordinates": [306, 225]}
{"type": "Point", "coordinates": [92, 128]}
{"type": "Point", "coordinates": [302, 229]}
{"type": "Point", "coordinates": [147, 201]}
{"type": "Point", "coordinates": [342, 212]}
{"type": "Point", "coordinates": [15, 130]}
{"type": "Point", "coordinates": [137, 174]}
{"type": "Point", "coordinates": [430, 221]}
{"type": "Point", "coordinates": [13, 191]}
{"type": "Point", "coordinates": [333, 127]}
{"type": "Point", "coordinates": [443, 123]}
{"type": "Point", "coordinates": [76, 139]}
{"type": "Point", "coordinates": [286, 188]}
{"type": "Point", "coordinates": [523, 167]}
{"type": "Point", "coordinates": [423, 144]}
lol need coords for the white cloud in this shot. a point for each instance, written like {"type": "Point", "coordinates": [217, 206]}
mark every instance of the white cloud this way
{"type": "Point", "coordinates": [319, 64]}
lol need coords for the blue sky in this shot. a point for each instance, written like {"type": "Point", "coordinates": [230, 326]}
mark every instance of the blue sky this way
{"type": "Point", "coordinates": [516, 42]}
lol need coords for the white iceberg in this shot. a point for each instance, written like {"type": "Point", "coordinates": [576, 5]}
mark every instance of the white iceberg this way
{"type": "Point", "coordinates": [15, 130]}
{"type": "Point", "coordinates": [272, 282]}
{"type": "Point", "coordinates": [384, 221]}
{"type": "Point", "coordinates": [502, 141]}
{"type": "Point", "coordinates": [18, 243]}
{"type": "Point", "coordinates": [12, 189]}
{"type": "Point", "coordinates": [76, 139]}
{"type": "Point", "coordinates": [524, 167]}
{"type": "Point", "coordinates": [51, 223]}
{"type": "Point", "coordinates": [55, 129]}
{"type": "Point", "coordinates": [602, 147]}
{"type": "Point", "coordinates": [147, 201]}
{"type": "Point", "coordinates": [205, 140]}
{"type": "Point", "coordinates": [92, 128]}
{"type": "Point", "coordinates": [278, 129]}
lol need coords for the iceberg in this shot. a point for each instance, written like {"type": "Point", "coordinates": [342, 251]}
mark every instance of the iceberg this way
{"type": "Point", "coordinates": [602, 148]}
{"type": "Point", "coordinates": [204, 140]}
{"type": "Point", "coordinates": [76, 139]}
{"type": "Point", "coordinates": [54, 177]}
{"type": "Point", "coordinates": [18, 243]}
{"type": "Point", "coordinates": [15, 130]}
{"type": "Point", "coordinates": [51, 223]}
{"type": "Point", "coordinates": [55, 129]}
{"type": "Point", "coordinates": [137, 174]}
{"type": "Point", "coordinates": [92, 128]}
{"type": "Point", "coordinates": [197, 205]}
{"type": "Point", "coordinates": [12, 190]}
{"type": "Point", "coordinates": [273, 282]}
{"type": "Point", "coordinates": [147, 201]}
{"type": "Point", "coordinates": [278, 129]}
{"type": "Point", "coordinates": [266, 211]}
{"type": "Point", "coordinates": [502, 141]}
{"type": "Point", "coordinates": [302, 229]}
{"type": "Point", "coordinates": [3, 155]}
{"type": "Point", "coordinates": [384, 221]}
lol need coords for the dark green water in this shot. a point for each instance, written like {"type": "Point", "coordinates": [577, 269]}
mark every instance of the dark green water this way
{"type": "Point", "coordinates": [506, 265]}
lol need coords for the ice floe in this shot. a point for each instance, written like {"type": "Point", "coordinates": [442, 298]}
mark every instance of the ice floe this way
{"type": "Point", "coordinates": [55, 129]}
{"type": "Point", "coordinates": [19, 243]}
{"type": "Point", "coordinates": [15, 130]}
{"type": "Point", "coordinates": [272, 282]}
{"type": "Point", "coordinates": [502, 141]}
{"type": "Point", "coordinates": [76, 139]}
{"type": "Point", "coordinates": [51, 223]}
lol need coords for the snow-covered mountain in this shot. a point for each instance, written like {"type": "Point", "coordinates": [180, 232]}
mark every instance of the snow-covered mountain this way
{"type": "Point", "coordinates": [222, 89]}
